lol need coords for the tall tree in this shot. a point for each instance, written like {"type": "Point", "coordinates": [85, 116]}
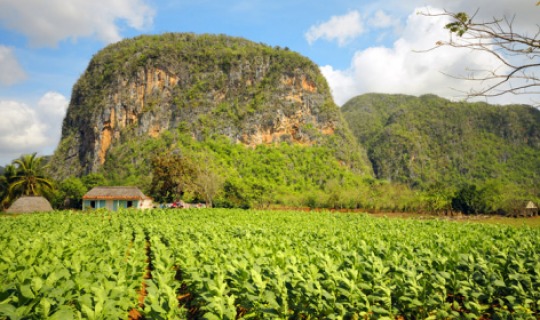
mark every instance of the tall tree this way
{"type": "Point", "coordinates": [72, 190]}
{"type": "Point", "coordinates": [177, 172]}
{"type": "Point", "coordinates": [470, 200]}
{"type": "Point", "coordinates": [172, 175]}
{"type": "Point", "coordinates": [29, 178]}
{"type": "Point", "coordinates": [7, 176]}
{"type": "Point", "coordinates": [94, 180]}
{"type": "Point", "coordinates": [517, 52]}
{"type": "Point", "coordinates": [207, 182]}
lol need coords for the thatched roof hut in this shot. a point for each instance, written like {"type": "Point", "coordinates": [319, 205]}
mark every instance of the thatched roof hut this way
{"type": "Point", "coordinates": [523, 208]}
{"type": "Point", "coordinates": [29, 204]}
{"type": "Point", "coordinates": [530, 208]}
{"type": "Point", "coordinates": [529, 204]}
{"type": "Point", "coordinates": [114, 193]}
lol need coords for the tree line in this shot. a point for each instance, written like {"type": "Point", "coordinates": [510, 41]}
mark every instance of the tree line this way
{"type": "Point", "coordinates": [200, 176]}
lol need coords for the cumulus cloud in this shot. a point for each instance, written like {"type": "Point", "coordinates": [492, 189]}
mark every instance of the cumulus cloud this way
{"type": "Point", "coordinates": [341, 28]}
{"type": "Point", "coordinates": [26, 129]}
{"type": "Point", "coordinates": [342, 82]}
{"type": "Point", "coordinates": [12, 72]}
{"type": "Point", "coordinates": [45, 23]}
{"type": "Point", "coordinates": [53, 106]}
{"type": "Point", "coordinates": [20, 127]}
{"type": "Point", "coordinates": [402, 69]}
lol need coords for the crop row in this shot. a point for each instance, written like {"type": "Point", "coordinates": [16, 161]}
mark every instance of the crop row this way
{"type": "Point", "coordinates": [286, 265]}
{"type": "Point", "coordinates": [228, 264]}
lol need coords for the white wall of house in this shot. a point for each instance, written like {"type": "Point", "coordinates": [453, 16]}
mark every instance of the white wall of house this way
{"type": "Point", "coordinates": [112, 205]}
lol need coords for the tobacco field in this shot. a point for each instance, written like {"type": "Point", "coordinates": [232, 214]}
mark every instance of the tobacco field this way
{"type": "Point", "coordinates": [245, 264]}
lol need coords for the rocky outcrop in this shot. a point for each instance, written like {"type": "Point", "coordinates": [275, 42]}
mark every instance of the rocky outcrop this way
{"type": "Point", "coordinates": [209, 85]}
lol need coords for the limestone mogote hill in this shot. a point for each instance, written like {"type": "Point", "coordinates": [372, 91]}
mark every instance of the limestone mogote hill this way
{"type": "Point", "coordinates": [205, 85]}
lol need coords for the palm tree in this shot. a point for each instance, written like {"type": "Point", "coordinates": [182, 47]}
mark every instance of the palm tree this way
{"type": "Point", "coordinates": [7, 176]}
{"type": "Point", "coordinates": [29, 179]}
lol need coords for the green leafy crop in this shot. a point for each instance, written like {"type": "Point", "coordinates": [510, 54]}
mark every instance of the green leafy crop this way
{"type": "Point", "coordinates": [230, 264]}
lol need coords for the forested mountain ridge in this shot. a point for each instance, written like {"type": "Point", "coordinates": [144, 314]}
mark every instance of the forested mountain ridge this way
{"type": "Point", "coordinates": [429, 141]}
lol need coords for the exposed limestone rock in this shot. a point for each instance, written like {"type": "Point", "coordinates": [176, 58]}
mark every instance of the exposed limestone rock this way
{"type": "Point", "coordinates": [251, 93]}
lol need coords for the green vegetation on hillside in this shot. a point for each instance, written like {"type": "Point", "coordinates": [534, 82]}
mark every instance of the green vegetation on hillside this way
{"type": "Point", "coordinates": [286, 174]}
{"type": "Point", "coordinates": [203, 63]}
{"type": "Point", "coordinates": [430, 143]}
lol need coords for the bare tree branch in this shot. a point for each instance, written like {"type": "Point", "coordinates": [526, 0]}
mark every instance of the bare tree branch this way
{"type": "Point", "coordinates": [518, 53]}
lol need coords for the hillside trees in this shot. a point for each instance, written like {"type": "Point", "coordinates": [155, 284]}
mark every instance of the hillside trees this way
{"type": "Point", "coordinates": [429, 141]}
{"type": "Point", "coordinates": [438, 147]}
{"type": "Point", "coordinates": [517, 52]}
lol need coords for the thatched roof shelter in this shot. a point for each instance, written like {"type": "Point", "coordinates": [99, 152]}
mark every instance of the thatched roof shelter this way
{"type": "Point", "coordinates": [523, 208]}
{"type": "Point", "coordinates": [114, 193]}
{"type": "Point", "coordinates": [29, 204]}
{"type": "Point", "coordinates": [527, 204]}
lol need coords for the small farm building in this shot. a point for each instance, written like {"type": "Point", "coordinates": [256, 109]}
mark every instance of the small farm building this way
{"type": "Point", "coordinates": [530, 208]}
{"type": "Point", "coordinates": [114, 198]}
{"type": "Point", "coordinates": [525, 208]}
{"type": "Point", "coordinates": [29, 204]}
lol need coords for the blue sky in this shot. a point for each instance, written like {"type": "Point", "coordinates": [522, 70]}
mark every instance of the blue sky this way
{"type": "Point", "coordinates": [361, 46]}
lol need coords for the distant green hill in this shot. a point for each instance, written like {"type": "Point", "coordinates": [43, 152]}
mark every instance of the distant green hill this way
{"type": "Point", "coordinates": [428, 141]}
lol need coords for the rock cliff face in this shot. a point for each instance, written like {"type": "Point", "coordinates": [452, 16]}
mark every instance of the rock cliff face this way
{"type": "Point", "coordinates": [209, 85]}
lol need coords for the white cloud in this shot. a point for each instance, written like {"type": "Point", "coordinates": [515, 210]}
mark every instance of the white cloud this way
{"type": "Point", "coordinates": [341, 28]}
{"type": "Point", "coordinates": [401, 69]}
{"type": "Point", "coordinates": [342, 83]}
{"type": "Point", "coordinates": [20, 128]}
{"type": "Point", "coordinates": [12, 72]}
{"type": "Point", "coordinates": [383, 20]}
{"type": "Point", "coordinates": [27, 129]}
{"type": "Point", "coordinates": [51, 109]}
{"type": "Point", "coordinates": [53, 105]}
{"type": "Point", "coordinates": [46, 23]}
